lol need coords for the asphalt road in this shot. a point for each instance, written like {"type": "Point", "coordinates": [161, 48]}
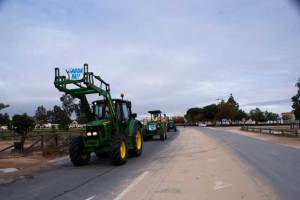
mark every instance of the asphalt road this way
{"type": "Point", "coordinates": [279, 165]}
{"type": "Point", "coordinates": [65, 181]}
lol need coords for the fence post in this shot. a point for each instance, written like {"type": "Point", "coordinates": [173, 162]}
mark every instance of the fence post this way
{"type": "Point", "coordinates": [42, 142]}
{"type": "Point", "coordinates": [56, 140]}
{"type": "Point", "coordinates": [69, 137]}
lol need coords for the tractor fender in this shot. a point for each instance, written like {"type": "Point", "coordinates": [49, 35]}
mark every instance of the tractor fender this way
{"type": "Point", "coordinates": [132, 126]}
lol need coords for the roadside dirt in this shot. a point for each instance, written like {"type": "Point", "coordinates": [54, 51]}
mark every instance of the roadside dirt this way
{"type": "Point", "coordinates": [198, 167]}
{"type": "Point", "coordinates": [24, 165]}
{"type": "Point", "coordinates": [287, 141]}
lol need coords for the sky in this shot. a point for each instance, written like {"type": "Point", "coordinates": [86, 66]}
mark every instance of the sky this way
{"type": "Point", "coordinates": [162, 54]}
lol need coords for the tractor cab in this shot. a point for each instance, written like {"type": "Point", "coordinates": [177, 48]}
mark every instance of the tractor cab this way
{"type": "Point", "coordinates": [122, 107]}
{"type": "Point", "coordinates": [155, 115]}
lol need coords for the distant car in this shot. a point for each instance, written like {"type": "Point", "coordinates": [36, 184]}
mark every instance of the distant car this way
{"type": "Point", "coordinates": [202, 124]}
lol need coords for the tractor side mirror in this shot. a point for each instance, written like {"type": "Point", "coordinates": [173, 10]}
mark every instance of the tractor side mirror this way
{"type": "Point", "coordinates": [133, 115]}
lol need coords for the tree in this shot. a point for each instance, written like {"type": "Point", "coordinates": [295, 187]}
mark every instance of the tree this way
{"type": "Point", "coordinates": [242, 115]}
{"type": "Point", "coordinates": [4, 119]}
{"type": "Point", "coordinates": [2, 106]}
{"type": "Point", "coordinates": [194, 115]}
{"type": "Point", "coordinates": [232, 101]}
{"type": "Point", "coordinates": [22, 124]}
{"type": "Point", "coordinates": [296, 102]}
{"type": "Point", "coordinates": [210, 112]}
{"type": "Point", "coordinates": [257, 115]}
{"type": "Point", "coordinates": [178, 119]}
{"type": "Point", "coordinates": [41, 115]}
{"type": "Point", "coordinates": [271, 116]}
{"type": "Point", "coordinates": [61, 117]}
{"type": "Point", "coordinates": [81, 116]}
{"type": "Point", "coordinates": [68, 104]}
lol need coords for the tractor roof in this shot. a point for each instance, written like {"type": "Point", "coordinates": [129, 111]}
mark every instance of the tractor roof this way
{"type": "Point", "coordinates": [154, 111]}
{"type": "Point", "coordinates": [102, 100]}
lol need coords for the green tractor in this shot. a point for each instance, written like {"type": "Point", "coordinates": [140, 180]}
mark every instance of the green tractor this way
{"type": "Point", "coordinates": [171, 125]}
{"type": "Point", "coordinates": [111, 128]}
{"type": "Point", "coordinates": [156, 126]}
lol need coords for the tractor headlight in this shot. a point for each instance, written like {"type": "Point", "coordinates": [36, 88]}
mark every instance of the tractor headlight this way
{"type": "Point", "coordinates": [94, 133]}
{"type": "Point", "coordinates": [89, 134]}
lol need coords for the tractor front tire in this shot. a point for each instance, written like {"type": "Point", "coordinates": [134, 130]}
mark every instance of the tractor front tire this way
{"type": "Point", "coordinates": [138, 143]}
{"type": "Point", "coordinates": [119, 151]}
{"type": "Point", "coordinates": [77, 155]}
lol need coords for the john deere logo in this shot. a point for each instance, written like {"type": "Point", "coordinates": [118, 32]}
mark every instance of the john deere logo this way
{"type": "Point", "coordinates": [75, 73]}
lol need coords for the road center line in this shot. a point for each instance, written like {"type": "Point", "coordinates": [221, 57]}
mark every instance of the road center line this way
{"type": "Point", "coordinates": [134, 183]}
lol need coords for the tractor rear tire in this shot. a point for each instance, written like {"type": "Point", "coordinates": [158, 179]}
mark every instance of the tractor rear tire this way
{"type": "Point", "coordinates": [76, 153]}
{"type": "Point", "coordinates": [119, 151]}
{"type": "Point", "coordinates": [138, 143]}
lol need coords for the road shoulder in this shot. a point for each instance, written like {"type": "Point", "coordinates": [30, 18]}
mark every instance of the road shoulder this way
{"type": "Point", "coordinates": [198, 167]}
{"type": "Point", "coordinates": [286, 141]}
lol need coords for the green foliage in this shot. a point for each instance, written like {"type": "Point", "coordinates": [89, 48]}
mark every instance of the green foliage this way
{"type": "Point", "coordinates": [59, 116]}
{"type": "Point", "coordinates": [271, 116]}
{"type": "Point", "coordinates": [210, 112]}
{"type": "Point", "coordinates": [257, 115]}
{"type": "Point", "coordinates": [68, 104]}
{"type": "Point", "coordinates": [242, 115]}
{"type": "Point", "coordinates": [232, 102]}
{"type": "Point", "coordinates": [194, 114]}
{"type": "Point", "coordinates": [296, 102]}
{"type": "Point", "coordinates": [41, 115]}
{"type": "Point", "coordinates": [228, 110]}
{"type": "Point", "coordinates": [4, 119]}
{"type": "Point", "coordinates": [22, 124]}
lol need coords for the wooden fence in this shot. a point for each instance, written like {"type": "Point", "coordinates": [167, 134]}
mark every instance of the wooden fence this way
{"type": "Point", "coordinates": [40, 141]}
{"type": "Point", "coordinates": [272, 131]}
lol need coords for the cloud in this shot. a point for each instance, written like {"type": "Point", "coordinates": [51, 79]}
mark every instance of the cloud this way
{"type": "Point", "coordinates": [168, 54]}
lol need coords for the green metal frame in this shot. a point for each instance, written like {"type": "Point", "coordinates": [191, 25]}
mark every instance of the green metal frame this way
{"type": "Point", "coordinates": [86, 86]}
{"type": "Point", "coordinates": [91, 84]}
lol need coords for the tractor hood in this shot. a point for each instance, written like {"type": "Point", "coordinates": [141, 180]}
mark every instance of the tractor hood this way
{"type": "Point", "coordinates": [101, 122]}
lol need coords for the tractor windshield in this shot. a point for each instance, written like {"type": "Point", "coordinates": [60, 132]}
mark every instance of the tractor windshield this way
{"type": "Point", "coordinates": [101, 111]}
{"type": "Point", "coordinates": [154, 117]}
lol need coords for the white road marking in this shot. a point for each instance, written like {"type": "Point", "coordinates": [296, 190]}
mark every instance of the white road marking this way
{"type": "Point", "coordinates": [220, 185]}
{"type": "Point", "coordinates": [134, 183]}
{"type": "Point", "coordinates": [90, 198]}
